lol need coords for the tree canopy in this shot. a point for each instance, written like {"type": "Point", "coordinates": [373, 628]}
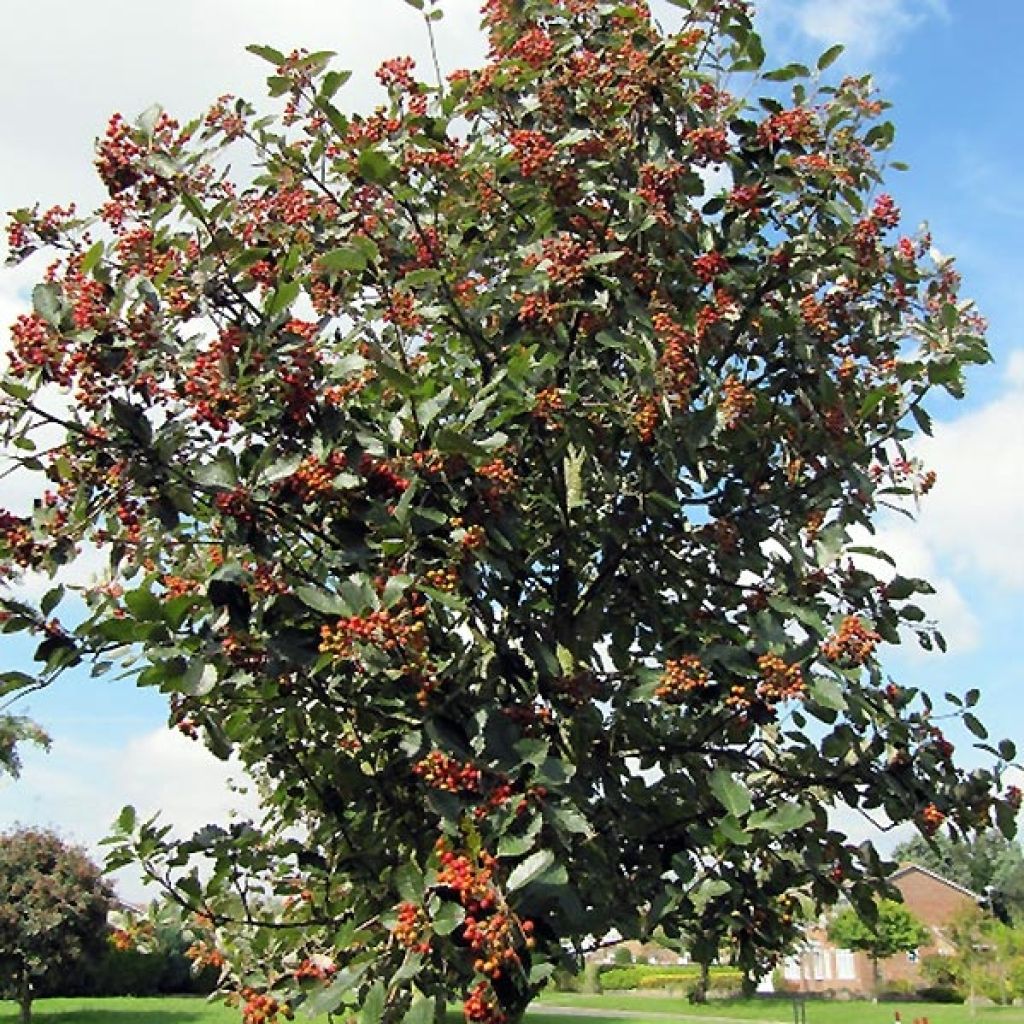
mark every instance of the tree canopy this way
{"type": "Point", "coordinates": [53, 912]}
{"type": "Point", "coordinates": [493, 474]}
{"type": "Point", "coordinates": [989, 863]}
{"type": "Point", "coordinates": [891, 929]}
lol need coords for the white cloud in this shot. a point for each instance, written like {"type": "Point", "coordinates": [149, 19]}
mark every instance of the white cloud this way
{"type": "Point", "coordinates": [68, 67]}
{"type": "Point", "coordinates": [974, 519]}
{"type": "Point", "coordinates": [869, 29]}
{"type": "Point", "coordinates": [80, 787]}
{"type": "Point", "coordinates": [907, 545]}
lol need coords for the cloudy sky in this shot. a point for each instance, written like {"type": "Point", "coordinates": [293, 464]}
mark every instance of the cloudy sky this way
{"type": "Point", "coordinates": [953, 71]}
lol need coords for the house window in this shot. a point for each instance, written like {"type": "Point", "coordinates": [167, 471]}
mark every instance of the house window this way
{"type": "Point", "coordinates": [912, 956]}
{"type": "Point", "coordinates": [820, 965]}
{"type": "Point", "coordinates": [846, 965]}
{"type": "Point", "coordinates": [791, 969]}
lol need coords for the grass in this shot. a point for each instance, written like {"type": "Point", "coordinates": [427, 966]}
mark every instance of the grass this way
{"type": "Point", "coordinates": [764, 1011]}
{"type": "Point", "coordinates": [124, 1010]}
{"type": "Point", "coordinates": [619, 1007]}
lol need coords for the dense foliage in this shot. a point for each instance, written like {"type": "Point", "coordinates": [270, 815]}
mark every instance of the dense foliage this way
{"type": "Point", "coordinates": [892, 929]}
{"type": "Point", "coordinates": [53, 912]}
{"type": "Point", "coordinates": [484, 473]}
{"type": "Point", "coordinates": [987, 959]}
{"type": "Point", "coordinates": [990, 864]}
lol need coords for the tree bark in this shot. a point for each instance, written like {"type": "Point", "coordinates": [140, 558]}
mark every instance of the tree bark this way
{"type": "Point", "coordinates": [25, 997]}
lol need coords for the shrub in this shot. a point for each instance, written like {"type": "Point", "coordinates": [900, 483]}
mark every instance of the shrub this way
{"type": "Point", "coordinates": [940, 994]}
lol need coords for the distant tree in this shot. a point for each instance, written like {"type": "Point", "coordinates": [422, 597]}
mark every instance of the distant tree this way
{"type": "Point", "coordinates": [53, 912]}
{"type": "Point", "coordinates": [989, 863]}
{"type": "Point", "coordinates": [894, 930]}
{"type": "Point", "coordinates": [987, 958]}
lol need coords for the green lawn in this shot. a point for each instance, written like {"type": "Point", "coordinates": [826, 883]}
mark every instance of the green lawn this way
{"type": "Point", "coordinates": [620, 1007]}
{"type": "Point", "coordinates": [126, 1010]}
{"type": "Point", "coordinates": [777, 1011]}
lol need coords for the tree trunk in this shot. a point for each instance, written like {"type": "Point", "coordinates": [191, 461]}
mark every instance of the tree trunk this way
{"type": "Point", "coordinates": [25, 997]}
{"type": "Point", "coordinates": [699, 992]}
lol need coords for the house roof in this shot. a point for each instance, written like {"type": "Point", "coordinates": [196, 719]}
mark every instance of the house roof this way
{"type": "Point", "coordinates": [907, 868]}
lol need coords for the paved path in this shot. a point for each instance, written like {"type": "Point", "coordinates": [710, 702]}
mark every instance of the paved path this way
{"type": "Point", "coordinates": [685, 1018]}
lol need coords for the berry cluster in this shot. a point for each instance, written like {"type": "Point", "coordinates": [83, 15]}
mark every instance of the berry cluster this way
{"type": "Point", "coordinates": [500, 475]}
{"type": "Point", "coordinates": [682, 677]}
{"type": "Point", "coordinates": [411, 928]}
{"type": "Point", "coordinates": [499, 795]}
{"type": "Point", "coordinates": [534, 46]}
{"type": "Point", "coordinates": [779, 680]}
{"type": "Point", "coordinates": [202, 954]}
{"type": "Point", "coordinates": [563, 259]}
{"type": "Point", "coordinates": [481, 1006]}
{"type": "Point", "coordinates": [381, 628]}
{"type": "Point", "coordinates": [439, 771]}
{"type": "Point", "coordinates": [931, 819]}
{"type": "Point", "coordinates": [261, 1008]}
{"type": "Point", "coordinates": [472, 884]}
{"type": "Point", "coordinates": [853, 644]}
{"type": "Point", "coordinates": [676, 363]}
{"type": "Point", "coordinates": [709, 266]}
{"type": "Point", "coordinates": [382, 479]}
{"type": "Point", "coordinates": [314, 476]}
{"type": "Point", "coordinates": [815, 315]}
{"type": "Point", "coordinates": [794, 125]}
{"type": "Point", "coordinates": [315, 969]}
{"type": "Point", "coordinates": [710, 145]}
{"type": "Point", "coordinates": [534, 151]}
{"type": "Point", "coordinates": [446, 579]}
{"type": "Point", "coordinates": [235, 504]}
{"type": "Point", "coordinates": [737, 402]}
{"type": "Point", "coordinates": [493, 940]}
{"type": "Point", "coordinates": [397, 72]}
{"type": "Point", "coordinates": [658, 189]}
{"type": "Point", "coordinates": [645, 419]}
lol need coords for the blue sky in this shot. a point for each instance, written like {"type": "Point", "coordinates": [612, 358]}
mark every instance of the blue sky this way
{"type": "Point", "coordinates": [952, 70]}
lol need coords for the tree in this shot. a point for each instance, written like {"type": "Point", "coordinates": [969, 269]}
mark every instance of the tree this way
{"type": "Point", "coordinates": [892, 929]}
{"type": "Point", "coordinates": [53, 913]}
{"type": "Point", "coordinates": [989, 863]}
{"type": "Point", "coordinates": [484, 472]}
{"type": "Point", "coordinates": [987, 958]}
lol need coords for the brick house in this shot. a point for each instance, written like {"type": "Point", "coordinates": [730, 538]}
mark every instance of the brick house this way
{"type": "Point", "coordinates": [821, 967]}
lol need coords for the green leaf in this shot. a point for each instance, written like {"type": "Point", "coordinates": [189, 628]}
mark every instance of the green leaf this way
{"type": "Point", "coordinates": [372, 1010]}
{"type": "Point", "coordinates": [46, 302]}
{"type": "Point", "coordinates": [830, 56]}
{"type": "Point", "coordinates": [423, 1008]}
{"type": "Point", "coordinates": [573, 470]}
{"type": "Point", "coordinates": [126, 819]}
{"type": "Point", "coordinates": [199, 679]}
{"type": "Point", "coordinates": [282, 297]}
{"type": "Point", "coordinates": [784, 818]}
{"type": "Point", "coordinates": [533, 867]}
{"type": "Point", "coordinates": [323, 600]}
{"type": "Point", "coordinates": [828, 693]}
{"type": "Point", "coordinates": [975, 726]}
{"type": "Point", "coordinates": [375, 167]}
{"type": "Point", "coordinates": [144, 605]}
{"type": "Point", "coordinates": [707, 891]}
{"type": "Point", "coordinates": [730, 792]}
{"type": "Point", "coordinates": [92, 257]}
{"type": "Point", "coordinates": [448, 918]}
{"type": "Point", "coordinates": [268, 53]}
{"type": "Point", "coordinates": [330, 997]}
{"type": "Point", "coordinates": [787, 73]}
{"type": "Point", "coordinates": [347, 257]}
